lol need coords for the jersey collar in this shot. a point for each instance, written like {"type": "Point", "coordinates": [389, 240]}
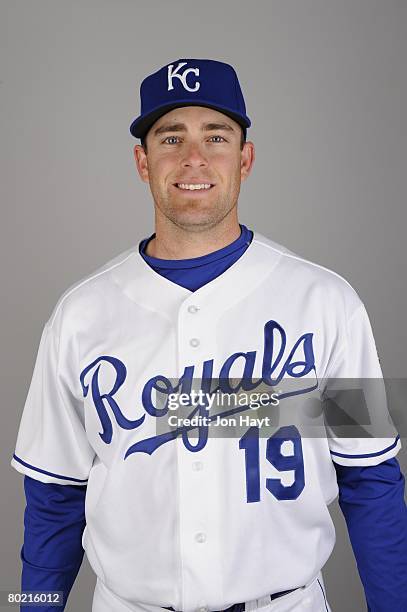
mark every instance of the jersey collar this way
{"type": "Point", "coordinates": [153, 291]}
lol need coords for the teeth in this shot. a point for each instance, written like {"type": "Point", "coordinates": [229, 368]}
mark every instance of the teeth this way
{"type": "Point", "coordinates": [191, 187]}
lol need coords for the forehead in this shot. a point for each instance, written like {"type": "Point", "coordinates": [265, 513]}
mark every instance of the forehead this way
{"type": "Point", "coordinates": [195, 115]}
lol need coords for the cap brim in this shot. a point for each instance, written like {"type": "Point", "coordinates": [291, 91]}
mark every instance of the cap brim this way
{"type": "Point", "coordinates": [143, 123]}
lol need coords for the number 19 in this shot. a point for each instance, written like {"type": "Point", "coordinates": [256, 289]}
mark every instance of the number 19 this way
{"type": "Point", "coordinates": [281, 461]}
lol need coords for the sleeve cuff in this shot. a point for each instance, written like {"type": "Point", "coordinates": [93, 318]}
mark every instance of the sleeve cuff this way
{"type": "Point", "coordinates": [364, 452]}
{"type": "Point", "coordinates": [43, 475]}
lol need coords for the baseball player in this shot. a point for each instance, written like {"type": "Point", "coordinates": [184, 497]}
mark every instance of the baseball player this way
{"type": "Point", "coordinates": [177, 516]}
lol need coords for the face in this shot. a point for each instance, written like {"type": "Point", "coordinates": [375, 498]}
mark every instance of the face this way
{"type": "Point", "coordinates": [194, 166]}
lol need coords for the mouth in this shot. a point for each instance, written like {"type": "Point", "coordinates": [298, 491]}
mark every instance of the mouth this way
{"type": "Point", "coordinates": [189, 187]}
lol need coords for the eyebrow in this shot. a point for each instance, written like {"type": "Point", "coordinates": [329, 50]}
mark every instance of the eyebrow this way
{"type": "Point", "coordinates": [181, 127]}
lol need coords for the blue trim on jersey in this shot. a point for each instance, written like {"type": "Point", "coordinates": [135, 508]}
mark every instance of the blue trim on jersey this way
{"type": "Point", "coordinates": [32, 467]}
{"type": "Point", "coordinates": [323, 593]}
{"type": "Point", "coordinates": [367, 455]}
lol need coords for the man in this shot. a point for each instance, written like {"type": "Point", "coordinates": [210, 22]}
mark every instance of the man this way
{"type": "Point", "coordinates": [180, 517]}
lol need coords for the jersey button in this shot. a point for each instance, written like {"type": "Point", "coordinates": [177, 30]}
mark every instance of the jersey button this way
{"type": "Point", "coordinates": [193, 309]}
{"type": "Point", "coordinates": [197, 466]}
{"type": "Point", "coordinates": [200, 537]}
{"type": "Point", "coordinates": [194, 342]}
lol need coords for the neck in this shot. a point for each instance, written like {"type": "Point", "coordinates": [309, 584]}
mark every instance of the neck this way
{"type": "Point", "coordinates": [175, 242]}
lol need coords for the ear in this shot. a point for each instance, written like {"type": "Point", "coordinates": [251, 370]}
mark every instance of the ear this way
{"type": "Point", "coordinates": [247, 157]}
{"type": "Point", "coordinates": [140, 157]}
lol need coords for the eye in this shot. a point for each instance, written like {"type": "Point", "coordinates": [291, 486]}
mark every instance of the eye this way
{"type": "Point", "coordinates": [166, 140]}
{"type": "Point", "coordinates": [221, 138]}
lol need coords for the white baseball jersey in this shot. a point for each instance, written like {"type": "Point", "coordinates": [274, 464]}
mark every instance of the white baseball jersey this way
{"type": "Point", "coordinates": [185, 519]}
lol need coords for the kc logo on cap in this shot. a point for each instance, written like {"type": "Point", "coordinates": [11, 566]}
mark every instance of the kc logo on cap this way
{"type": "Point", "coordinates": [190, 82]}
{"type": "Point", "coordinates": [182, 77]}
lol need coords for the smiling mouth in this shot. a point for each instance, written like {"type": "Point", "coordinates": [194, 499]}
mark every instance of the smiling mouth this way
{"type": "Point", "coordinates": [194, 186]}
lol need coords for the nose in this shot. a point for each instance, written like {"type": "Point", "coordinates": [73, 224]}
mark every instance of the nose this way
{"type": "Point", "coordinates": [193, 157]}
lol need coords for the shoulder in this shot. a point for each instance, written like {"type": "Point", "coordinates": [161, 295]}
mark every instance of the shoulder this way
{"type": "Point", "coordinates": [308, 278]}
{"type": "Point", "coordinates": [85, 298]}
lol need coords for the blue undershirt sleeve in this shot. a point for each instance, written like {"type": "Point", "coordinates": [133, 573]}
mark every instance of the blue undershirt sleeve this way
{"type": "Point", "coordinates": [372, 501]}
{"type": "Point", "coordinates": [52, 553]}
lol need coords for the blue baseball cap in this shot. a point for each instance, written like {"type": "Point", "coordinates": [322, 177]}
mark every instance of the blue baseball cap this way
{"type": "Point", "coordinates": [190, 82]}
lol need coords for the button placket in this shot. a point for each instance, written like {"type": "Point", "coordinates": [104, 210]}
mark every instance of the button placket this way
{"type": "Point", "coordinates": [197, 543]}
{"type": "Point", "coordinates": [188, 326]}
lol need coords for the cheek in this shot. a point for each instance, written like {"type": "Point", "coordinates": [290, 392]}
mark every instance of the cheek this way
{"type": "Point", "coordinates": [226, 166]}
{"type": "Point", "coordinates": [160, 170]}
{"type": "Point", "coordinates": [232, 176]}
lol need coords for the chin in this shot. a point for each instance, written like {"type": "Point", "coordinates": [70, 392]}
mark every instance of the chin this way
{"type": "Point", "coordinates": [193, 213]}
{"type": "Point", "coordinates": [195, 221]}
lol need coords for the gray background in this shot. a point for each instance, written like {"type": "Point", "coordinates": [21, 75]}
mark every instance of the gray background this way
{"type": "Point", "coordinates": [325, 85]}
